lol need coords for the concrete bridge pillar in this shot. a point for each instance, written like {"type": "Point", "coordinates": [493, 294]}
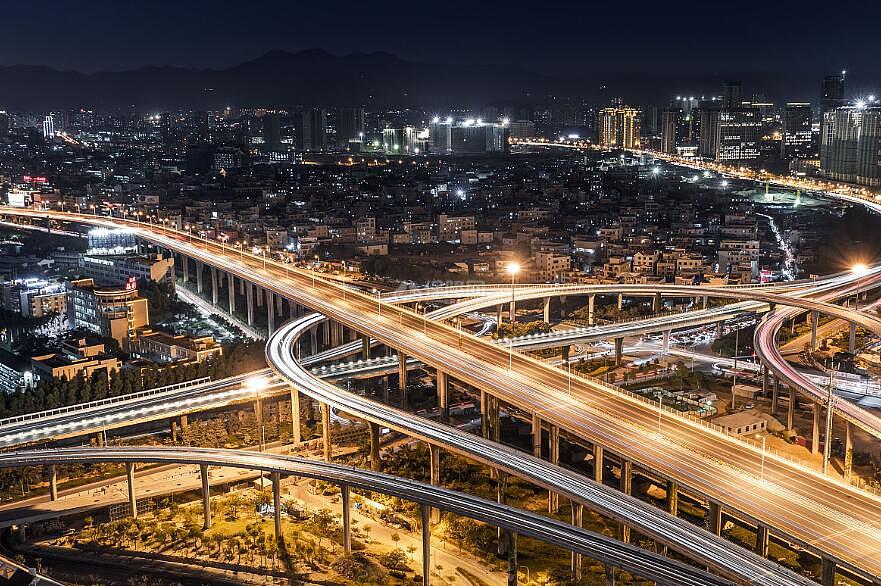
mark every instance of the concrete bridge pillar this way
{"type": "Point", "coordinates": [206, 497]}
{"type": "Point", "coordinates": [443, 399]}
{"type": "Point", "coordinates": [426, 544]}
{"type": "Point", "coordinates": [673, 497]}
{"type": "Point", "coordinates": [619, 350]}
{"type": "Point", "coordinates": [547, 310]}
{"type": "Point", "coordinates": [241, 286]}
{"type": "Point", "coordinates": [511, 539]}
{"type": "Point", "coordinates": [402, 377]}
{"type": "Point", "coordinates": [501, 498]}
{"type": "Point", "coordinates": [347, 518]}
{"type": "Point", "coordinates": [562, 307]}
{"type": "Point", "coordinates": [775, 391]}
{"type": "Point", "coordinates": [591, 304]}
{"type": "Point", "coordinates": [536, 435]}
{"type": "Point", "coordinates": [375, 454]}
{"type": "Point", "coordinates": [815, 318]}
{"type": "Point", "coordinates": [625, 485]}
{"type": "Point", "coordinates": [249, 297]}
{"type": "Point", "coordinates": [434, 476]}
{"type": "Point", "coordinates": [852, 341]}
{"type": "Point", "coordinates": [270, 311]}
{"type": "Point", "coordinates": [512, 312]}
{"type": "Point", "coordinates": [53, 483]}
{"type": "Point", "coordinates": [577, 521]}
{"type": "Point", "coordinates": [815, 429]}
{"type": "Point", "coordinates": [296, 436]}
{"type": "Point", "coordinates": [292, 308]}
{"type": "Point", "coordinates": [762, 541]}
{"type": "Point", "coordinates": [553, 458]}
{"type": "Point", "coordinates": [365, 347]}
{"type": "Point", "coordinates": [704, 302]}
{"type": "Point", "coordinates": [185, 265]}
{"type": "Point", "coordinates": [656, 303]}
{"type": "Point", "coordinates": [666, 343]}
{"type": "Point", "coordinates": [279, 306]}
{"type": "Point", "coordinates": [620, 301]}
{"type": "Point", "coordinates": [276, 503]}
{"type": "Point", "coordinates": [200, 269]}
{"type": "Point", "coordinates": [564, 354]}
{"type": "Point", "coordinates": [790, 409]}
{"type": "Point", "coordinates": [130, 481]}
{"type": "Point", "coordinates": [848, 450]}
{"type": "Point", "coordinates": [827, 572]}
{"type": "Point", "coordinates": [259, 295]}
{"type": "Point", "coordinates": [598, 463]}
{"type": "Point", "coordinates": [715, 518]}
{"type": "Point", "coordinates": [325, 432]}
{"type": "Point", "coordinates": [498, 315]}
{"type": "Point", "coordinates": [231, 292]}
{"type": "Point", "coordinates": [215, 292]}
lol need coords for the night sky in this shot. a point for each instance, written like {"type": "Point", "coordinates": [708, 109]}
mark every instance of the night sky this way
{"type": "Point", "coordinates": [582, 38]}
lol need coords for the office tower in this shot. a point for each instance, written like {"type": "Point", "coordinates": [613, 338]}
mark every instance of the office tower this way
{"type": "Point", "coordinates": [851, 143]}
{"type": "Point", "coordinates": [738, 135]}
{"type": "Point", "coordinates": [619, 127]}
{"type": "Point", "coordinates": [673, 130]}
{"type": "Point", "coordinates": [311, 129]}
{"type": "Point", "coordinates": [708, 130]}
{"type": "Point", "coordinates": [349, 126]}
{"type": "Point", "coordinates": [439, 135]}
{"type": "Point", "coordinates": [732, 92]}
{"type": "Point", "coordinates": [832, 93]}
{"type": "Point", "coordinates": [796, 139]}
{"type": "Point", "coordinates": [271, 133]}
{"type": "Point", "coordinates": [49, 127]}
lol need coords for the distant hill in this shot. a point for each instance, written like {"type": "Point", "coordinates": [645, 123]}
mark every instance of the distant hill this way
{"type": "Point", "coordinates": [281, 78]}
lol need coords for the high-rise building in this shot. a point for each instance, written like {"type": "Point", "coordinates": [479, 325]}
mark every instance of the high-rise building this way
{"type": "Point", "coordinates": [738, 135]}
{"type": "Point", "coordinates": [349, 126]}
{"type": "Point", "coordinates": [619, 127]}
{"type": "Point", "coordinates": [472, 137]}
{"type": "Point", "coordinates": [311, 130]}
{"type": "Point", "coordinates": [832, 93]}
{"type": "Point", "coordinates": [271, 133]}
{"type": "Point", "coordinates": [732, 94]}
{"type": "Point", "coordinates": [49, 127]}
{"type": "Point", "coordinates": [4, 123]}
{"type": "Point", "coordinates": [673, 129]}
{"type": "Point", "coordinates": [439, 135]}
{"type": "Point", "coordinates": [851, 145]}
{"type": "Point", "coordinates": [796, 141]}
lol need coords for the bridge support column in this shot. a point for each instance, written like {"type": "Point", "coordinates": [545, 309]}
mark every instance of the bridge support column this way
{"type": "Point", "coordinates": [775, 392]}
{"type": "Point", "coordinates": [704, 302]}
{"type": "Point", "coordinates": [130, 481]}
{"type": "Point", "coordinates": [347, 519]}
{"type": "Point", "coordinates": [185, 265]}
{"type": "Point", "coordinates": [200, 269]}
{"type": "Point", "coordinates": [53, 483]}
{"type": "Point", "coordinates": [484, 414]}
{"type": "Point", "coordinates": [656, 303]}
{"type": "Point", "coordinates": [619, 350]}
{"type": "Point", "coordinates": [547, 310]}
{"type": "Point", "coordinates": [673, 497]}
{"type": "Point", "coordinates": [501, 498]}
{"type": "Point", "coordinates": [598, 463]}
{"type": "Point", "coordinates": [374, 446]}
{"type": "Point", "coordinates": [511, 540]}
{"type": "Point", "coordinates": [443, 399]}
{"type": "Point", "coordinates": [215, 291]}
{"type": "Point", "coordinates": [231, 292]}
{"type": "Point", "coordinates": [591, 304]}
{"type": "Point", "coordinates": [241, 286]}
{"type": "Point", "coordinates": [577, 520]}
{"type": "Point", "coordinates": [276, 503]}
{"type": "Point", "coordinates": [206, 497]}
{"type": "Point", "coordinates": [402, 377]}
{"type": "Point", "coordinates": [715, 518]}
{"type": "Point", "coordinates": [852, 341]}
{"type": "Point", "coordinates": [762, 541]}
{"type": "Point", "coordinates": [562, 307]}
{"type": "Point", "coordinates": [325, 432]}
{"type": "Point", "coordinates": [259, 296]}
{"type": "Point", "coordinates": [512, 312]}
{"type": "Point", "coordinates": [553, 458]}
{"type": "Point", "coordinates": [426, 545]}
{"type": "Point", "coordinates": [790, 409]}
{"type": "Point", "coordinates": [279, 309]}
{"type": "Point", "coordinates": [365, 347]}
{"type": "Point", "coordinates": [666, 338]}
{"type": "Point", "coordinates": [848, 450]}
{"type": "Point", "coordinates": [620, 301]}
{"type": "Point", "coordinates": [270, 311]}
{"type": "Point", "coordinates": [625, 485]}
{"type": "Point", "coordinates": [815, 318]}
{"type": "Point", "coordinates": [249, 297]}
{"type": "Point", "coordinates": [827, 572]}
{"type": "Point", "coordinates": [564, 354]}
{"type": "Point", "coordinates": [434, 477]}
{"type": "Point", "coordinates": [815, 430]}
{"type": "Point", "coordinates": [498, 315]}
{"type": "Point", "coordinates": [296, 436]}
{"type": "Point", "coordinates": [536, 435]}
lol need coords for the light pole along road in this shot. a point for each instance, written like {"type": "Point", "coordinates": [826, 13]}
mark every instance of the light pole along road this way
{"type": "Point", "coordinates": [817, 512]}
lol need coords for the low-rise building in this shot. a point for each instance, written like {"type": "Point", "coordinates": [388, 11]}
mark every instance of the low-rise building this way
{"type": "Point", "coordinates": [112, 312]}
{"type": "Point", "coordinates": [15, 372]}
{"type": "Point", "coordinates": [118, 269]}
{"type": "Point", "coordinates": [163, 347]}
